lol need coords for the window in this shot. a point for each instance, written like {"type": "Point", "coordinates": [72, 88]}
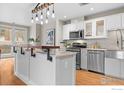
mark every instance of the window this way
{"type": "Point", "coordinates": [10, 35]}
{"type": "Point", "coordinates": [21, 35]}
{"type": "Point", "coordinates": [5, 34]}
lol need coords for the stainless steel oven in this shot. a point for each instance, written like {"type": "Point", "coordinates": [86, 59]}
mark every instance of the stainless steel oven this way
{"type": "Point", "coordinates": [76, 47]}
{"type": "Point", "coordinates": [76, 34]}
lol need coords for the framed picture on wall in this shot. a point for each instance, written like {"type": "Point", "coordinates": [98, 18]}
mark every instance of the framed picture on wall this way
{"type": "Point", "coordinates": [50, 37]}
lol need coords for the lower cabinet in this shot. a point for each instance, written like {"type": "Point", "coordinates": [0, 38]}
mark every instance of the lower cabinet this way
{"type": "Point", "coordinates": [84, 58]}
{"type": "Point", "coordinates": [122, 69]}
{"type": "Point", "coordinates": [112, 67]}
{"type": "Point", "coordinates": [65, 70]}
{"type": "Point", "coordinates": [42, 71]}
{"type": "Point", "coordinates": [22, 65]}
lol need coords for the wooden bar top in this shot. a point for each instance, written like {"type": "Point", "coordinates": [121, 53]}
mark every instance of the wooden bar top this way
{"type": "Point", "coordinates": [36, 46]}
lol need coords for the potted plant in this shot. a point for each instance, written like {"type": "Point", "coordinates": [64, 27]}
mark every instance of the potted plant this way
{"type": "Point", "coordinates": [31, 40]}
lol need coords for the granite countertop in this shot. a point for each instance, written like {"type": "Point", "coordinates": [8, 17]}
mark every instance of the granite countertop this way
{"type": "Point", "coordinates": [97, 49]}
{"type": "Point", "coordinates": [58, 53]}
{"type": "Point", "coordinates": [64, 53]}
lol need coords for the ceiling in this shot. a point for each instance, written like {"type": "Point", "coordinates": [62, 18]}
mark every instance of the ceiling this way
{"type": "Point", "coordinates": [73, 10]}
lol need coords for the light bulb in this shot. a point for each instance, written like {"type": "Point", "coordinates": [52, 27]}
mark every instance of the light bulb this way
{"type": "Point", "coordinates": [41, 22]}
{"type": "Point", "coordinates": [53, 15]}
{"type": "Point", "coordinates": [41, 17]}
{"type": "Point", "coordinates": [46, 21]}
{"type": "Point", "coordinates": [32, 21]}
{"type": "Point", "coordinates": [48, 12]}
{"type": "Point", "coordinates": [36, 17]}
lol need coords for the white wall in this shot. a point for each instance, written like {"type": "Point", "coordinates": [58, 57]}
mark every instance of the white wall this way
{"type": "Point", "coordinates": [51, 24]}
{"type": "Point", "coordinates": [59, 32]}
{"type": "Point", "coordinates": [16, 13]}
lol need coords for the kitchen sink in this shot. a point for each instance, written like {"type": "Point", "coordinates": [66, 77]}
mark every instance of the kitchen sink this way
{"type": "Point", "coordinates": [117, 54]}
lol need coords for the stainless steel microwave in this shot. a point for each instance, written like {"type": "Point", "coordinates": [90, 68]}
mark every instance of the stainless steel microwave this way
{"type": "Point", "coordinates": [76, 34]}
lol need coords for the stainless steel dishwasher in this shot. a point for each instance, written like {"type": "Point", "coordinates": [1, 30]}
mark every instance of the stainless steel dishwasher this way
{"type": "Point", "coordinates": [96, 60]}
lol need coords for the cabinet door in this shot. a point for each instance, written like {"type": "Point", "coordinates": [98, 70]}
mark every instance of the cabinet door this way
{"type": "Point", "coordinates": [100, 27]}
{"type": "Point", "coordinates": [83, 58]}
{"type": "Point", "coordinates": [122, 20]}
{"type": "Point", "coordinates": [113, 22]}
{"type": "Point", "coordinates": [42, 71]}
{"type": "Point", "coordinates": [72, 27]}
{"type": "Point", "coordinates": [66, 32]}
{"type": "Point", "coordinates": [112, 67]}
{"type": "Point", "coordinates": [22, 65]}
{"type": "Point", "coordinates": [122, 69]}
{"type": "Point", "coordinates": [88, 29]}
{"type": "Point", "coordinates": [65, 70]}
{"type": "Point", "coordinates": [79, 26]}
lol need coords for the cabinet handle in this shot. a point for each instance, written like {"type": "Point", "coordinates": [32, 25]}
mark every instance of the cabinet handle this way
{"type": "Point", "coordinates": [14, 50]}
{"type": "Point", "coordinates": [22, 52]}
{"type": "Point", "coordinates": [32, 53]}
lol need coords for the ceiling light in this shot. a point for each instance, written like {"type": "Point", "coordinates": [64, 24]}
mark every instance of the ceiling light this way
{"type": "Point", "coordinates": [32, 21]}
{"type": "Point", "coordinates": [91, 9]}
{"type": "Point", "coordinates": [48, 12]}
{"type": "Point", "coordinates": [41, 17]}
{"type": "Point", "coordinates": [36, 17]}
{"type": "Point", "coordinates": [41, 22]}
{"type": "Point", "coordinates": [46, 21]}
{"type": "Point", "coordinates": [65, 16]}
{"type": "Point", "coordinates": [41, 7]}
{"type": "Point", "coordinates": [53, 13]}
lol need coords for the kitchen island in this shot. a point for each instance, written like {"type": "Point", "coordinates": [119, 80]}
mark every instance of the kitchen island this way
{"type": "Point", "coordinates": [44, 68]}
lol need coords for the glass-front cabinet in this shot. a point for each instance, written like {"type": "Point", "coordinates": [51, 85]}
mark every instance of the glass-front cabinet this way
{"type": "Point", "coordinates": [88, 32]}
{"type": "Point", "coordinates": [95, 29]}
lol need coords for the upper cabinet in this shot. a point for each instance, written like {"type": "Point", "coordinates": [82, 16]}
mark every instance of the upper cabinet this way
{"type": "Point", "coordinates": [123, 20]}
{"type": "Point", "coordinates": [70, 28]}
{"type": "Point", "coordinates": [113, 22]}
{"type": "Point", "coordinates": [88, 29]}
{"type": "Point", "coordinates": [66, 29]}
{"type": "Point", "coordinates": [95, 28]}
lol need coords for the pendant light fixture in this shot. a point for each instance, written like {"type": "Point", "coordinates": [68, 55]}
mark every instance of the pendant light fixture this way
{"type": "Point", "coordinates": [41, 17]}
{"type": "Point", "coordinates": [41, 22]}
{"type": "Point", "coordinates": [36, 18]}
{"type": "Point", "coordinates": [32, 20]}
{"type": "Point", "coordinates": [46, 21]}
{"type": "Point", "coordinates": [42, 7]}
{"type": "Point", "coordinates": [48, 12]}
{"type": "Point", "coordinates": [53, 13]}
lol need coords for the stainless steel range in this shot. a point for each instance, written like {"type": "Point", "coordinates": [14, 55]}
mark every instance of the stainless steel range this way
{"type": "Point", "coordinates": [76, 47]}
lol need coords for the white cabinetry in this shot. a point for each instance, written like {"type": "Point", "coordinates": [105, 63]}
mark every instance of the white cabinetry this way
{"type": "Point", "coordinates": [22, 65]}
{"type": "Point", "coordinates": [122, 69]}
{"type": "Point", "coordinates": [123, 20]}
{"type": "Point", "coordinates": [66, 30]}
{"type": "Point", "coordinates": [112, 67]}
{"type": "Point", "coordinates": [70, 28]}
{"type": "Point", "coordinates": [88, 29]}
{"type": "Point", "coordinates": [84, 58]}
{"type": "Point", "coordinates": [65, 75]}
{"type": "Point", "coordinates": [42, 71]}
{"type": "Point", "coordinates": [95, 28]}
{"type": "Point", "coordinates": [113, 22]}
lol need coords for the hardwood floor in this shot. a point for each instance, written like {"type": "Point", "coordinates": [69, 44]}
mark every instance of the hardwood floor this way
{"type": "Point", "coordinates": [90, 78]}
{"type": "Point", "coordinates": [7, 76]}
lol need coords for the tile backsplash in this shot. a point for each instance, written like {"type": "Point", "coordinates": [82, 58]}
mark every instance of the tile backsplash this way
{"type": "Point", "coordinates": [108, 43]}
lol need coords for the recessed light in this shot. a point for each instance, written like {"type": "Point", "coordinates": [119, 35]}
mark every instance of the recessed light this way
{"type": "Point", "coordinates": [65, 16]}
{"type": "Point", "coordinates": [92, 9]}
